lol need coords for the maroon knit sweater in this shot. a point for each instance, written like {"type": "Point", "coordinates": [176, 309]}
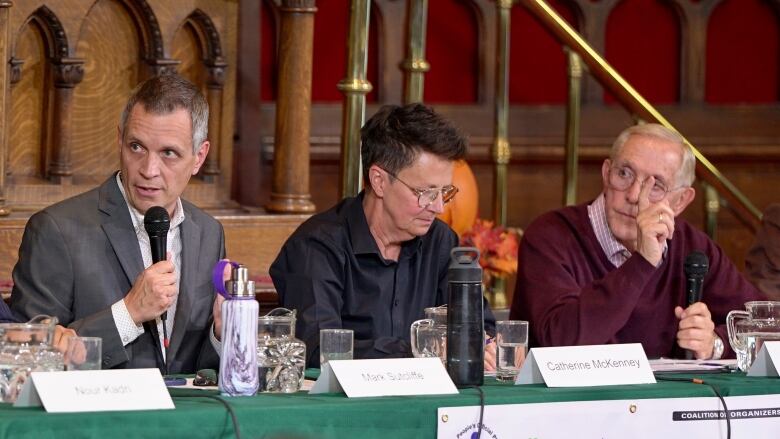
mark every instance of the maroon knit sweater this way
{"type": "Point", "coordinates": [572, 295]}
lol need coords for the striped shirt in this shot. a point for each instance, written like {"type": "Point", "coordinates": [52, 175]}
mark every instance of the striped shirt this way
{"type": "Point", "coordinates": [616, 252]}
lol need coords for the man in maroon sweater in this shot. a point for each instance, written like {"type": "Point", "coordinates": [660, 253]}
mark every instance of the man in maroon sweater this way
{"type": "Point", "coordinates": [612, 271]}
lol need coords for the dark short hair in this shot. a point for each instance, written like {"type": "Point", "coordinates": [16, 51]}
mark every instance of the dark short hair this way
{"type": "Point", "coordinates": [166, 93]}
{"type": "Point", "coordinates": [396, 135]}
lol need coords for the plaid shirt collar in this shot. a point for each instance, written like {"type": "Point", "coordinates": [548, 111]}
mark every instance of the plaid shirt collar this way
{"type": "Point", "coordinates": [616, 252]}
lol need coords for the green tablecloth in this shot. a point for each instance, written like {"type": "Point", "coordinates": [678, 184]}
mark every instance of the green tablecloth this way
{"type": "Point", "coordinates": [334, 415]}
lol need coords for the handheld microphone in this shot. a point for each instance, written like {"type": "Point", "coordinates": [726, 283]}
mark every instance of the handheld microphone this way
{"type": "Point", "coordinates": [157, 223]}
{"type": "Point", "coordinates": [696, 266]}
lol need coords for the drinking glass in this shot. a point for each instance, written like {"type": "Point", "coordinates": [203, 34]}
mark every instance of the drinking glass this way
{"type": "Point", "coordinates": [335, 344]}
{"type": "Point", "coordinates": [512, 345]}
{"type": "Point", "coordinates": [83, 353]}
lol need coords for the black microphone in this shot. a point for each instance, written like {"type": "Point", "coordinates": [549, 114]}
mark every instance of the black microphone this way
{"type": "Point", "coordinates": [157, 223]}
{"type": "Point", "coordinates": [696, 266]}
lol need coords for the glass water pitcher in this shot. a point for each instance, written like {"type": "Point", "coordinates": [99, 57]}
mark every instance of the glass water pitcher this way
{"type": "Point", "coordinates": [429, 335]}
{"type": "Point", "coordinates": [281, 358]}
{"type": "Point", "coordinates": [26, 348]}
{"type": "Point", "coordinates": [748, 330]}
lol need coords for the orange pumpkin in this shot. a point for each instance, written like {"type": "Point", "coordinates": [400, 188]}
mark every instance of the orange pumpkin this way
{"type": "Point", "coordinates": [461, 212]}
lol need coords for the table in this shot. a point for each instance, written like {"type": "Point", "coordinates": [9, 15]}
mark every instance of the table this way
{"type": "Point", "coordinates": [334, 415]}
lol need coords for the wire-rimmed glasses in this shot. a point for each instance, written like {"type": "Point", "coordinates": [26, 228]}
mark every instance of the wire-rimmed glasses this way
{"type": "Point", "coordinates": [426, 197]}
{"type": "Point", "coordinates": [621, 178]}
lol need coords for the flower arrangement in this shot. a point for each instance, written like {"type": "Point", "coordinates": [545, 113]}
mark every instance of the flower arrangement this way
{"type": "Point", "coordinates": [497, 246]}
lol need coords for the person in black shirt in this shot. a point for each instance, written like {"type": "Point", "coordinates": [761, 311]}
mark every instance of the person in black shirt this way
{"type": "Point", "coordinates": [372, 263]}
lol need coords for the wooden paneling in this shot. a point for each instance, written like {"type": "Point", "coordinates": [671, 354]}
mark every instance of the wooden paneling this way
{"type": "Point", "coordinates": [110, 72]}
{"type": "Point", "coordinates": [26, 143]}
{"type": "Point", "coordinates": [255, 240]}
{"type": "Point", "coordinates": [186, 48]}
{"type": "Point", "coordinates": [251, 239]}
{"type": "Point", "coordinates": [11, 230]}
{"type": "Point", "coordinates": [120, 42]}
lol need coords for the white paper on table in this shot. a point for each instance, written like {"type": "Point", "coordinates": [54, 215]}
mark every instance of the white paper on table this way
{"type": "Point", "coordinates": [672, 365]}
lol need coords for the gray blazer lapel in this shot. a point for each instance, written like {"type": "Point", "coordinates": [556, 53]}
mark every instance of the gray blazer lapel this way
{"type": "Point", "coordinates": [190, 242]}
{"type": "Point", "coordinates": [118, 228]}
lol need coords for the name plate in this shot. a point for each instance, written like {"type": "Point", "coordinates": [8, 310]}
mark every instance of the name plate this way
{"type": "Point", "coordinates": [96, 391]}
{"type": "Point", "coordinates": [385, 377]}
{"type": "Point", "coordinates": [584, 366]}
{"type": "Point", "coordinates": [765, 364]}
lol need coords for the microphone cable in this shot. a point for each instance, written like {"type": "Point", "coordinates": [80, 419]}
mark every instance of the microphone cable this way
{"type": "Point", "coordinates": [230, 411]}
{"type": "Point", "coordinates": [166, 342]}
{"type": "Point", "coordinates": [714, 390]}
{"type": "Point", "coordinates": [481, 409]}
{"type": "Point", "coordinates": [222, 401]}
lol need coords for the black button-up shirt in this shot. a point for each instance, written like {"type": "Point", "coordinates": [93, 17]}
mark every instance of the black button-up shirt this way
{"type": "Point", "coordinates": [331, 271]}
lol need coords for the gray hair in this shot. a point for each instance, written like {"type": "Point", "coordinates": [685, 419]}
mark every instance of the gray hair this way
{"type": "Point", "coordinates": [165, 94]}
{"type": "Point", "coordinates": [686, 174]}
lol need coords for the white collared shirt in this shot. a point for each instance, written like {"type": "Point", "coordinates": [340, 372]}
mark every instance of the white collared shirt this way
{"type": "Point", "coordinates": [128, 330]}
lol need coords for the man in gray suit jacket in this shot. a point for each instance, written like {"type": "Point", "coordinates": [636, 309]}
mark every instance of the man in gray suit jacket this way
{"type": "Point", "coordinates": [86, 260]}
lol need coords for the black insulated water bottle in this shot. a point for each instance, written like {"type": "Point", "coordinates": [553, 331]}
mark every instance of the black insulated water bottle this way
{"type": "Point", "coordinates": [465, 323]}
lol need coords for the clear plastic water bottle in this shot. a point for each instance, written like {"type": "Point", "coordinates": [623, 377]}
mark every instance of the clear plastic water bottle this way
{"type": "Point", "coordinates": [465, 322]}
{"type": "Point", "coordinates": [238, 362]}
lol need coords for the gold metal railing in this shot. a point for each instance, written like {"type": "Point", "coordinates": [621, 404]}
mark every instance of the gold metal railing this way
{"type": "Point", "coordinates": [355, 87]}
{"type": "Point", "coordinates": [630, 99]}
{"type": "Point", "coordinates": [501, 151]}
{"type": "Point", "coordinates": [415, 64]}
{"type": "Point", "coordinates": [572, 129]}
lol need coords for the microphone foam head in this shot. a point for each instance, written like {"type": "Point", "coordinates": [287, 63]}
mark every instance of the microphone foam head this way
{"type": "Point", "coordinates": [156, 221]}
{"type": "Point", "coordinates": [696, 264]}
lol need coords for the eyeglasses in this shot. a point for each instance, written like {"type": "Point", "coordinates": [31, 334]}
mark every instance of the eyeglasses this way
{"type": "Point", "coordinates": [426, 197]}
{"type": "Point", "coordinates": [621, 178]}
